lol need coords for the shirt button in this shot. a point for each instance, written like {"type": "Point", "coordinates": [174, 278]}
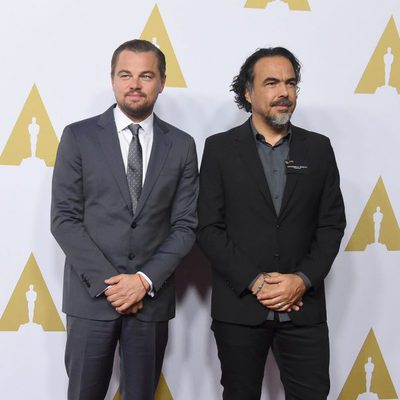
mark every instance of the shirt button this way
{"type": "Point", "coordinates": [133, 225]}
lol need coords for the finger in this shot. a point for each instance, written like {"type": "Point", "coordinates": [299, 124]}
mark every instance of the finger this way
{"type": "Point", "coordinates": [272, 280]}
{"type": "Point", "coordinates": [113, 280]}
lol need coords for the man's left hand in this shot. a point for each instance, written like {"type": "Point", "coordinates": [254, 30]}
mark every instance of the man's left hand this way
{"type": "Point", "coordinates": [125, 291]}
{"type": "Point", "coordinates": [284, 293]}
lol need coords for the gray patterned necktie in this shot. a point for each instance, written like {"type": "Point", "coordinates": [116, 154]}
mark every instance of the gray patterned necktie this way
{"type": "Point", "coordinates": [135, 166]}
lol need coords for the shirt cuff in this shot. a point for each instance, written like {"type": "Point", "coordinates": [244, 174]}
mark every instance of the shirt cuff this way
{"type": "Point", "coordinates": [102, 292]}
{"type": "Point", "coordinates": [305, 278]}
{"type": "Point", "coordinates": [151, 291]}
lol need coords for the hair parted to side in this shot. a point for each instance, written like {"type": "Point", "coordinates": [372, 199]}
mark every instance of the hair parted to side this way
{"type": "Point", "coordinates": [244, 80]}
{"type": "Point", "coordinates": [140, 46]}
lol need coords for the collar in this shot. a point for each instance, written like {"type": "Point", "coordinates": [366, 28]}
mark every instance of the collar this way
{"type": "Point", "coordinates": [288, 135]}
{"type": "Point", "coordinates": [122, 121]}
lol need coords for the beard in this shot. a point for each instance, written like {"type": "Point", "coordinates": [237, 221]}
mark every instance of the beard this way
{"type": "Point", "coordinates": [280, 120]}
{"type": "Point", "coordinates": [137, 111]}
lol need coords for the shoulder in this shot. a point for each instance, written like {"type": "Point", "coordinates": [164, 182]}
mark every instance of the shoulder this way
{"type": "Point", "coordinates": [226, 137]}
{"type": "Point", "coordinates": [314, 138]}
{"type": "Point", "coordinates": [173, 132]}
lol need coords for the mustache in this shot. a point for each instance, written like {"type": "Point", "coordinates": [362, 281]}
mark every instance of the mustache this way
{"type": "Point", "coordinates": [282, 102]}
{"type": "Point", "coordinates": [136, 91]}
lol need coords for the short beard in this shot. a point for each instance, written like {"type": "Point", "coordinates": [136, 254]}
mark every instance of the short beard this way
{"type": "Point", "coordinates": [279, 122]}
{"type": "Point", "coordinates": [139, 113]}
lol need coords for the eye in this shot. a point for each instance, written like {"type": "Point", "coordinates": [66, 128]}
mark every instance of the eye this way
{"type": "Point", "coordinates": [270, 84]}
{"type": "Point", "coordinates": [146, 77]}
{"type": "Point", "coordinates": [124, 76]}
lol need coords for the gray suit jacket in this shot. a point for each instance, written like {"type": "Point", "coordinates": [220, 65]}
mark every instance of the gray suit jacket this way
{"type": "Point", "coordinates": [92, 220]}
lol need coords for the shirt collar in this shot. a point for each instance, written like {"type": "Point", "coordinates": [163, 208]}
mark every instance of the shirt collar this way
{"type": "Point", "coordinates": [122, 121]}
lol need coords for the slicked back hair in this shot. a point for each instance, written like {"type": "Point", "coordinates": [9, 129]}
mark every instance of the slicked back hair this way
{"type": "Point", "coordinates": [139, 46]}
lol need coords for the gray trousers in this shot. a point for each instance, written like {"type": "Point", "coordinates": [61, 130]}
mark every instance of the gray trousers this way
{"type": "Point", "coordinates": [89, 356]}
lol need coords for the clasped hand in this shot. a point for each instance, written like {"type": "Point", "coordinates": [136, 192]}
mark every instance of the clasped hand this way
{"type": "Point", "coordinates": [126, 293]}
{"type": "Point", "coordinates": [281, 292]}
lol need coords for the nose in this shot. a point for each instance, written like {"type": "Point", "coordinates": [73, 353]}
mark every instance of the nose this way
{"type": "Point", "coordinates": [135, 83]}
{"type": "Point", "coordinates": [283, 90]}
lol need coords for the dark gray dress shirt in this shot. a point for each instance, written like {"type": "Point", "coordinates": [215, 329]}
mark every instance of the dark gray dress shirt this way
{"type": "Point", "coordinates": [273, 162]}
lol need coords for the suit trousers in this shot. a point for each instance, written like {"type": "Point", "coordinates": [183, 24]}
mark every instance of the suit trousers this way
{"type": "Point", "coordinates": [301, 352]}
{"type": "Point", "coordinates": [89, 356]}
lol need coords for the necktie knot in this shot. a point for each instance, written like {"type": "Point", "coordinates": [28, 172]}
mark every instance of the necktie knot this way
{"type": "Point", "coordinates": [134, 128]}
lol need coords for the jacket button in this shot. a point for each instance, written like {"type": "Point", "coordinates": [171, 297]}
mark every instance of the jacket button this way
{"type": "Point", "coordinates": [133, 225]}
{"type": "Point", "coordinates": [131, 256]}
{"type": "Point", "coordinates": [277, 226]}
{"type": "Point", "coordinates": [277, 255]}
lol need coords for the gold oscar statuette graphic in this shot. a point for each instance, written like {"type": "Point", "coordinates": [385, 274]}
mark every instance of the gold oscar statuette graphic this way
{"type": "Point", "coordinates": [162, 392]}
{"type": "Point", "coordinates": [156, 32]}
{"type": "Point", "coordinates": [31, 307]}
{"type": "Point", "coordinates": [382, 74]}
{"type": "Point", "coordinates": [33, 140]}
{"type": "Point", "coordinates": [369, 379]}
{"type": "Point", "coordinates": [377, 227]}
{"type": "Point", "coordinates": [294, 5]}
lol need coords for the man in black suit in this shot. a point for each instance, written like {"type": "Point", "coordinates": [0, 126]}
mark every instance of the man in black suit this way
{"type": "Point", "coordinates": [124, 200]}
{"type": "Point", "coordinates": [271, 218]}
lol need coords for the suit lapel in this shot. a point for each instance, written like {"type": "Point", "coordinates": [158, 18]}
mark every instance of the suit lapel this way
{"type": "Point", "coordinates": [297, 156]}
{"type": "Point", "coordinates": [109, 142]}
{"type": "Point", "coordinates": [159, 153]}
{"type": "Point", "coordinates": [247, 150]}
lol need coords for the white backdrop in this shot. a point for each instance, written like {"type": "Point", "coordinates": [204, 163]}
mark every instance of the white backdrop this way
{"type": "Point", "coordinates": [54, 66]}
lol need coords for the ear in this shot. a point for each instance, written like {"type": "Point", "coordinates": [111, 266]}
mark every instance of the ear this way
{"type": "Point", "coordinates": [247, 95]}
{"type": "Point", "coordinates": [162, 86]}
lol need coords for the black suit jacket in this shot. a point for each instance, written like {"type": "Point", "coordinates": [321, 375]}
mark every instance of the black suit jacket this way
{"type": "Point", "coordinates": [93, 222]}
{"type": "Point", "coordinates": [242, 235]}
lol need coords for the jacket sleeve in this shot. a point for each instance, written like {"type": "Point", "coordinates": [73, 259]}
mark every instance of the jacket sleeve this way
{"type": "Point", "coordinates": [67, 209]}
{"type": "Point", "coordinates": [330, 227]}
{"type": "Point", "coordinates": [183, 221]}
{"type": "Point", "coordinates": [213, 237]}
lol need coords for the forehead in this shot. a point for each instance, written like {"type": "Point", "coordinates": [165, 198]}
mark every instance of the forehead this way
{"type": "Point", "coordinates": [130, 60]}
{"type": "Point", "coordinates": [274, 67]}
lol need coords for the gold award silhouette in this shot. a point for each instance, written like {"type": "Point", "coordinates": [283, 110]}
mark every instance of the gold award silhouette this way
{"type": "Point", "coordinates": [33, 140]}
{"type": "Point", "coordinates": [369, 379]}
{"type": "Point", "coordinates": [156, 32]}
{"type": "Point", "coordinates": [294, 5]}
{"type": "Point", "coordinates": [31, 307]}
{"type": "Point", "coordinates": [377, 228]}
{"type": "Point", "coordinates": [162, 392]}
{"type": "Point", "coordinates": [382, 74]}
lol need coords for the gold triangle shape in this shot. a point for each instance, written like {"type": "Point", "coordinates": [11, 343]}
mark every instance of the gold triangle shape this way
{"type": "Point", "coordinates": [378, 211]}
{"type": "Point", "coordinates": [370, 360]}
{"type": "Point", "coordinates": [295, 5]}
{"type": "Point", "coordinates": [33, 132]}
{"type": "Point", "coordinates": [156, 32]}
{"type": "Point", "coordinates": [31, 305]}
{"type": "Point", "coordinates": [162, 392]}
{"type": "Point", "coordinates": [383, 69]}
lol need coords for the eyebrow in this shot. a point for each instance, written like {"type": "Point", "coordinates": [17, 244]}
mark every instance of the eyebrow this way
{"type": "Point", "coordinates": [272, 79]}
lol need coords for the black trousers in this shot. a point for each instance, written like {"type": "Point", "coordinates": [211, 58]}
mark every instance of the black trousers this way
{"type": "Point", "coordinates": [301, 352]}
{"type": "Point", "coordinates": [89, 356]}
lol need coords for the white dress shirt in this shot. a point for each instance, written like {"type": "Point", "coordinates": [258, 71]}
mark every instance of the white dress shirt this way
{"type": "Point", "coordinates": [146, 142]}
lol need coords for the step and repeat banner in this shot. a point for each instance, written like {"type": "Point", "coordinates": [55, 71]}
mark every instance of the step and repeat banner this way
{"type": "Point", "coordinates": [55, 69]}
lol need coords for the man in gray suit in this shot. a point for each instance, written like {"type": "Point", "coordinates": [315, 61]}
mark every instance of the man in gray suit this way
{"type": "Point", "coordinates": [124, 198]}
